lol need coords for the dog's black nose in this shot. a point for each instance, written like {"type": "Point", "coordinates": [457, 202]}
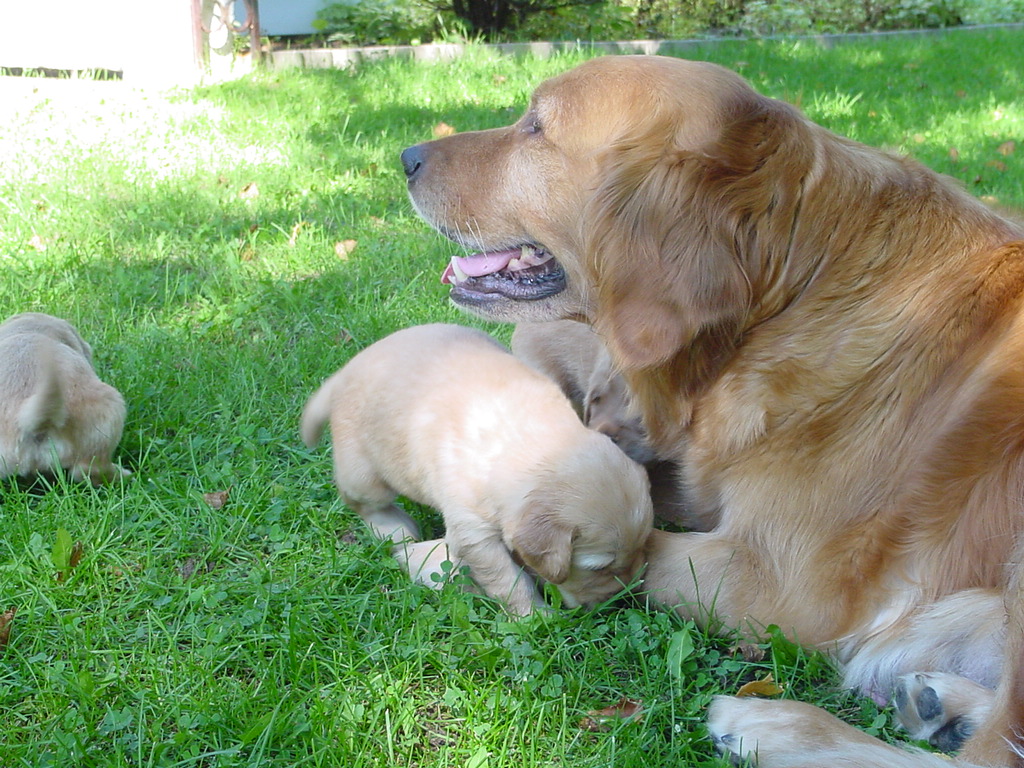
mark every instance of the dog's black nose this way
{"type": "Point", "coordinates": [412, 160]}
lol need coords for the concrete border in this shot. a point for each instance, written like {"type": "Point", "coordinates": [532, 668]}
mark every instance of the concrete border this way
{"type": "Point", "coordinates": [341, 58]}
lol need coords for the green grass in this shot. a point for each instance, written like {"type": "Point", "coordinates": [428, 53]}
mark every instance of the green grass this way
{"type": "Point", "coordinates": [192, 239]}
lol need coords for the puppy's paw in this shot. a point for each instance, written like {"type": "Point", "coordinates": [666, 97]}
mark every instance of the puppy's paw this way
{"type": "Point", "coordinates": [942, 708]}
{"type": "Point", "coordinates": [392, 523]}
{"type": "Point", "coordinates": [425, 561]}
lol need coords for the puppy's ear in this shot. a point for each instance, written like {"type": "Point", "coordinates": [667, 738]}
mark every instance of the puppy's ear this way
{"type": "Point", "coordinates": [671, 229]}
{"type": "Point", "coordinates": [544, 543]}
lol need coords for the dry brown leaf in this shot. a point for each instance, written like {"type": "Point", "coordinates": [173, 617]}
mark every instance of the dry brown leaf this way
{"type": "Point", "coordinates": [217, 499]}
{"type": "Point", "coordinates": [344, 248]}
{"type": "Point", "coordinates": [499, 79]}
{"type": "Point", "coordinates": [954, 154]}
{"type": "Point", "coordinates": [192, 566]}
{"type": "Point", "coordinates": [602, 719]}
{"type": "Point", "coordinates": [76, 556]}
{"type": "Point", "coordinates": [443, 129]}
{"type": "Point", "coordinates": [295, 233]}
{"type": "Point", "coordinates": [999, 165]}
{"type": "Point", "coordinates": [749, 652]}
{"type": "Point", "coordinates": [766, 686]}
{"type": "Point", "coordinates": [919, 138]}
{"type": "Point", "coordinates": [1007, 148]}
{"type": "Point", "coordinates": [961, 94]}
{"type": "Point", "coordinates": [36, 243]}
{"type": "Point", "coordinates": [250, 191]}
{"type": "Point", "coordinates": [6, 619]}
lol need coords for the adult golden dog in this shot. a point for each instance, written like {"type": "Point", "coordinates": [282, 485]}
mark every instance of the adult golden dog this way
{"type": "Point", "coordinates": [829, 340]}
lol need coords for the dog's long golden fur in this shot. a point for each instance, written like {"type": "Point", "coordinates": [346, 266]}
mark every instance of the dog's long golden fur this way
{"type": "Point", "coordinates": [829, 339]}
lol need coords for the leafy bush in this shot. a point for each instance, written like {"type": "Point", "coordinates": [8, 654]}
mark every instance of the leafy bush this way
{"type": "Point", "coordinates": [377, 22]}
{"type": "Point", "coordinates": [367, 22]}
{"type": "Point", "coordinates": [766, 17]}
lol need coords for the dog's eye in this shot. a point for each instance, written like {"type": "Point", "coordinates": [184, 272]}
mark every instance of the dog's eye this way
{"type": "Point", "coordinates": [532, 125]}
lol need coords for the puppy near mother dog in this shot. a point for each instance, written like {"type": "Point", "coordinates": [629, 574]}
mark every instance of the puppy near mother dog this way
{"type": "Point", "coordinates": [829, 341]}
{"type": "Point", "coordinates": [446, 416]}
{"type": "Point", "coordinates": [54, 410]}
{"type": "Point", "coordinates": [574, 357]}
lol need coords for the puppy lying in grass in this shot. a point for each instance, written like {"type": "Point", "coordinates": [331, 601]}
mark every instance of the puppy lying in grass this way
{"type": "Point", "coordinates": [54, 411]}
{"type": "Point", "coordinates": [444, 415]}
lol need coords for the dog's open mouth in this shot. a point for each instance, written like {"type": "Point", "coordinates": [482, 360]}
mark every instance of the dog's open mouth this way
{"type": "Point", "coordinates": [526, 273]}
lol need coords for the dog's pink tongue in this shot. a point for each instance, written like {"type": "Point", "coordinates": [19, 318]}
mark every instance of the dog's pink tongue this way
{"type": "Point", "coordinates": [478, 264]}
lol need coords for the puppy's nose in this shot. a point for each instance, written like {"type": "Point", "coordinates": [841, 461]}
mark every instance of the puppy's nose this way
{"type": "Point", "coordinates": [412, 160]}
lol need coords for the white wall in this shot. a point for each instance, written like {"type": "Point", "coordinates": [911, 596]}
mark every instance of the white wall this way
{"type": "Point", "coordinates": [151, 39]}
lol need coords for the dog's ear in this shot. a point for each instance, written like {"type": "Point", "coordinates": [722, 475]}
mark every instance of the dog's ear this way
{"type": "Point", "coordinates": [670, 230]}
{"type": "Point", "coordinates": [544, 543]}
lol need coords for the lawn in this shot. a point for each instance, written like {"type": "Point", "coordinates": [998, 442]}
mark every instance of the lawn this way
{"type": "Point", "coordinates": [226, 248]}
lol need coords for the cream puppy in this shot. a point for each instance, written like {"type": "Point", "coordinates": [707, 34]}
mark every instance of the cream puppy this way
{"type": "Point", "coordinates": [54, 410]}
{"type": "Point", "coordinates": [444, 415]}
{"type": "Point", "coordinates": [574, 356]}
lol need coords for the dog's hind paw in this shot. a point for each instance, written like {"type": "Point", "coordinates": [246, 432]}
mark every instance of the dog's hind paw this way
{"type": "Point", "coordinates": [942, 708]}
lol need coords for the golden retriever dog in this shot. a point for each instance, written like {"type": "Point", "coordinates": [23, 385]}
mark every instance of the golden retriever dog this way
{"type": "Point", "coordinates": [54, 411]}
{"type": "Point", "coordinates": [827, 338]}
{"type": "Point", "coordinates": [446, 416]}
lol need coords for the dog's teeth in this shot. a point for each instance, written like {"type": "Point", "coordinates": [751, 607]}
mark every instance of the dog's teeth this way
{"type": "Point", "coordinates": [525, 252]}
{"type": "Point", "coordinates": [460, 276]}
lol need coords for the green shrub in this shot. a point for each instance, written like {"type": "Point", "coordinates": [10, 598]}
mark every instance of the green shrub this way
{"type": "Point", "coordinates": [383, 22]}
{"type": "Point", "coordinates": [784, 17]}
{"type": "Point", "coordinates": [377, 22]}
{"type": "Point", "coordinates": [603, 21]}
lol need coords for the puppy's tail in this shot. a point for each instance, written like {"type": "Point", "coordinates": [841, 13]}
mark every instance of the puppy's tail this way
{"type": "Point", "coordinates": [315, 414]}
{"type": "Point", "coordinates": [44, 410]}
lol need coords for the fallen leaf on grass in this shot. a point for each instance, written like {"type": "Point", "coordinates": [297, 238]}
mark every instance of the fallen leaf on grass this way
{"type": "Point", "coordinates": [999, 165]}
{"type": "Point", "coordinates": [36, 243]}
{"type": "Point", "coordinates": [602, 719]}
{"type": "Point", "coordinates": [763, 687]}
{"type": "Point", "coordinates": [749, 652]}
{"type": "Point", "coordinates": [1007, 148]}
{"type": "Point", "coordinates": [192, 566]}
{"type": "Point", "coordinates": [6, 619]}
{"type": "Point", "coordinates": [217, 499]}
{"type": "Point", "coordinates": [293, 238]}
{"type": "Point", "coordinates": [349, 537]}
{"type": "Point", "coordinates": [954, 154]}
{"type": "Point", "coordinates": [250, 191]}
{"type": "Point", "coordinates": [343, 248]}
{"type": "Point", "coordinates": [443, 129]}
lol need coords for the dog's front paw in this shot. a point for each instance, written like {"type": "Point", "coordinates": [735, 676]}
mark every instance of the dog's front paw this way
{"type": "Point", "coordinates": [942, 708]}
{"type": "Point", "coordinates": [765, 732]}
